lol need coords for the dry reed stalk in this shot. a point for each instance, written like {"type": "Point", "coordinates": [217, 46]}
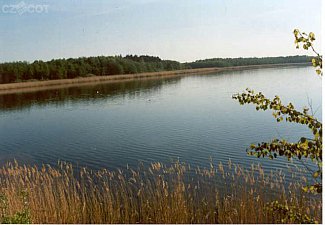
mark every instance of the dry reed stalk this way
{"type": "Point", "coordinates": [157, 194]}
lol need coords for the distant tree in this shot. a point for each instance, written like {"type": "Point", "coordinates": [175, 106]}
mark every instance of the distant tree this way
{"type": "Point", "coordinates": [220, 62]}
{"type": "Point", "coordinates": [71, 71]}
{"type": "Point", "coordinates": [114, 68]}
{"type": "Point", "coordinates": [129, 66]}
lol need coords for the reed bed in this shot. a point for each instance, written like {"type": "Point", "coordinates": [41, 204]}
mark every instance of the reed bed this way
{"type": "Point", "coordinates": [175, 193]}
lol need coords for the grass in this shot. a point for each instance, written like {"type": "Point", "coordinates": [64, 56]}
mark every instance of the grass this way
{"type": "Point", "coordinates": [158, 193]}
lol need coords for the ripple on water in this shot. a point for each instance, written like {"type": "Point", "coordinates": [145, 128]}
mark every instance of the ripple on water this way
{"type": "Point", "coordinates": [191, 118]}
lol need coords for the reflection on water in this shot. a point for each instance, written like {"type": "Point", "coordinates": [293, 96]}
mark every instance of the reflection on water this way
{"type": "Point", "coordinates": [191, 118]}
{"type": "Point", "coordinates": [93, 93]}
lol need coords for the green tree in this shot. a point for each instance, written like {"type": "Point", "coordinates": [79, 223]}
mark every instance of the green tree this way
{"type": "Point", "coordinates": [71, 70]}
{"type": "Point", "coordinates": [114, 67]}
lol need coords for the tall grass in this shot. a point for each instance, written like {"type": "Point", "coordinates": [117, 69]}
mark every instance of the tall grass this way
{"type": "Point", "coordinates": [156, 194]}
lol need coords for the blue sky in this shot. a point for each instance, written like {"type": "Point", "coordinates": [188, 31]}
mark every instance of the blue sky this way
{"type": "Point", "coordinates": [183, 30]}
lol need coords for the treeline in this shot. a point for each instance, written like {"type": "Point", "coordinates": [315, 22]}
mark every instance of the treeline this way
{"type": "Point", "coordinates": [227, 62]}
{"type": "Point", "coordinates": [109, 65]}
{"type": "Point", "coordinates": [84, 66]}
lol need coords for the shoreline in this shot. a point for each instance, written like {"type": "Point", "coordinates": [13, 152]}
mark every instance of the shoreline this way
{"type": "Point", "coordinates": [29, 86]}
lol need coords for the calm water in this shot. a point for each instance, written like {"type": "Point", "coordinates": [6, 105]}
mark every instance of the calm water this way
{"type": "Point", "coordinates": [191, 118]}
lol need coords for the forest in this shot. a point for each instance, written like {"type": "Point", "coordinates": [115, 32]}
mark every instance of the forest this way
{"type": "Point", "coordinates": [108, 65]}
{"type": "Point", "coordinates": [83, 66]}
{"type": "Point", "coordinates": [226, 62]}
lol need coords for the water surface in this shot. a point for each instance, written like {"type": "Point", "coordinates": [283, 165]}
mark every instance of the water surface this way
{"type": "Point", "coordinates": [191, 118]}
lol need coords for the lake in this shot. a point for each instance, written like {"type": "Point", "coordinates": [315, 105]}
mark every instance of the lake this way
{"type": "Point", "coordinates": [190, 118]}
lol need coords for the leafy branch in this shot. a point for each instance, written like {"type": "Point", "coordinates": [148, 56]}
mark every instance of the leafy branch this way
{"type": "Point", "coordinates": [306, 147]}
{"type": "Point", "coordinates": [307, 42]}
{"type": "Point", "coordinates": [289, 214]}
{"type": "Point", "coordinates": [309, 148]}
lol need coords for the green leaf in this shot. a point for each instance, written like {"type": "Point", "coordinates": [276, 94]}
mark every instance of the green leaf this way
{"type": "Point", "coordinates": [312, 36]}
{"type": "Point", "coordinates": [316, 174]}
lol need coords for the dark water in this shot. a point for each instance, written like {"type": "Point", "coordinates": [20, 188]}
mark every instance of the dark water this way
{"type": "Point", "coordinates": [191, 118]}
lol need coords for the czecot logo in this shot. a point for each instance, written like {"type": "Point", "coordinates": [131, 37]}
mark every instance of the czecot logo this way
{"type": "Point", "coordinates": [22, 8]}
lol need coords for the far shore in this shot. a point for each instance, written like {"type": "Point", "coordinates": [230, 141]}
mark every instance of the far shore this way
{"type": "Point", "coordinates": [29, 86]}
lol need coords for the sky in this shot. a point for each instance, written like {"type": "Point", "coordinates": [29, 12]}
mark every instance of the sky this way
{"type": "Point", "coordinates": [182, 30]}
